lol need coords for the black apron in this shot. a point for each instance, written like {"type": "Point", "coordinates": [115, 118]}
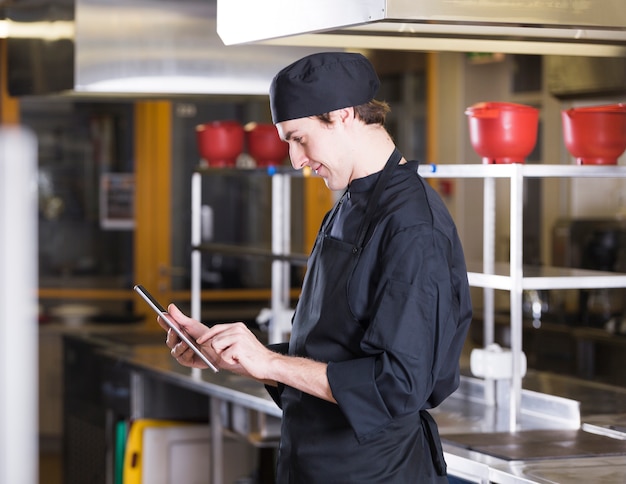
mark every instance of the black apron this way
{"type": "Point", "coordinates": [317, 443]}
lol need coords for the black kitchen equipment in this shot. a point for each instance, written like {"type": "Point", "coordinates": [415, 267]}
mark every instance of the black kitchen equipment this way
{"type": "Point", "coordinates": [593, 244]}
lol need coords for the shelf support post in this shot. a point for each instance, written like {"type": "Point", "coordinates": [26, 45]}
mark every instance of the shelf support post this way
{"type": "Point", "coordinates": [196, 234]}
{"type": "Point", "coordinates": [489, 237]}
{"type": "Point", "coordinates": [516, 261]}
{"type": "Point", "coordinates": [281, 242]}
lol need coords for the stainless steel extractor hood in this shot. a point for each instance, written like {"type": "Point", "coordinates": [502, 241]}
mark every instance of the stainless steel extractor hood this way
{"type": "Point", "coordinates": [39, 45]}
{"type": "Point", "coordinates": [563, 27]}
{"type": "Point", "coordinates": [167, 46]}
{"type": "Point", "coordinates": [147, 47]}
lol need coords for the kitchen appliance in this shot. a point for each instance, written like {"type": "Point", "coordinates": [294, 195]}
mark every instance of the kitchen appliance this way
{"type": "Point", "coordinates": [502, 132]}
{"type": "Point", "coordinates": [131, 46]}
{"type": "Point", "coordinates": [570, 77]}
{"type": "Point", "coordinates": [595, 135]}
{"type": "Point", "coordinates": [559, 28]}
{"type": "Point", "coordinates": [594, 244]}
{"type": "Point", "coordinates": [220, 142]}
{"type": "Point", "coordinates": [174, 47]}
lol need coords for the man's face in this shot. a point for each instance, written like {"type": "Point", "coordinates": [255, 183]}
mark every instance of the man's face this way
{"type": "Point", "coordinates": [320, 146]}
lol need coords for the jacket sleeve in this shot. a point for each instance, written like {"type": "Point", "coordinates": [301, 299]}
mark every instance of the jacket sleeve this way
{"type": "Point", "coordinates": [276, 391]}
{"type": "Point", "coordinates": [408, 343]}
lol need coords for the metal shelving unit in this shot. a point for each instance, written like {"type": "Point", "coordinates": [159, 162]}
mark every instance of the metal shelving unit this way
{"type": "Point", "coordinates": [514, 277]}
{"type": "Point", "coordinates": [280, 252]}
{"type": "Point", "coordinates": [489, 275]}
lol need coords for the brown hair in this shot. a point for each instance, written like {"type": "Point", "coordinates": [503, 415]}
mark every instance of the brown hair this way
{"type": "Point", "coordinates": [372, 112]}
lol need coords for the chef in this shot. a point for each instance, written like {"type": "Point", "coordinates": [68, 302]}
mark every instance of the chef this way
{"type": "Point", "coordinates": [385, 305]}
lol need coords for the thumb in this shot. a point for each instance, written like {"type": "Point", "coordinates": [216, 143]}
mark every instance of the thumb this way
{"type": "Point", "coordinates": [173, 310]}
{"type": "Point", "coordinates": [181, 318]}
{"type": "Point", "coordinates": [177, 314]}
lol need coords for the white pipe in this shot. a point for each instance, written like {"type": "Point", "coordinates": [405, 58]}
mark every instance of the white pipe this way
{"type": "Point", "coordinates": [18, 299]}
{"type": "Point", "coordinates": [196, 239]}
{"type": "Point", "coordinates": [489, 237]}
{"type": "Point", "coordinates": [196, 255]}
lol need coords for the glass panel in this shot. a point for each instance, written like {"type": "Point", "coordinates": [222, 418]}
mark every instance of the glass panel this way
{"type": "Point", "coordinates": [80, 145]}
{"type": "Point", "coordinates": [237, 204]}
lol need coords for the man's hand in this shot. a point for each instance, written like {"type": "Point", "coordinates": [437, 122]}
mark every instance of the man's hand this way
{"type": "Point", "coordinates": [179, 349]}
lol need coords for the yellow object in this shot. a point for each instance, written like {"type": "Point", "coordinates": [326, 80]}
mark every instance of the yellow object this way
{"type": "Point", "coordinates": [9, 105]}
{"type": "Point", "coordinates": [153, 169]}
{"type": "Point", "coordinates": [134, 447]}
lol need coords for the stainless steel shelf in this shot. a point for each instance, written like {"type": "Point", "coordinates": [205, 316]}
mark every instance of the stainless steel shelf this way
{"type": "Point", "coordinates": [523, 170]}
{"type": "Point", "coordinates": [251, 252]}
{"type": "Point", "coordinates": [544, 277]}
{"type": "Point", "coordinates": [261, 171]}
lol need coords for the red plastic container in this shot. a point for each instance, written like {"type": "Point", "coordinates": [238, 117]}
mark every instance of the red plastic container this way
{"type": "Point", "coordinates": [265, 145]}
{"type": "Point", "coordinates": [502, 132]}
{"type": "Point", "coordinates": [595, 135]}
{"type": "Point", "coordinates": [220, 142]}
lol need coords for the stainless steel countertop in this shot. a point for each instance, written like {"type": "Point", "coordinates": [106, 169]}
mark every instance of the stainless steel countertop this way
{"type": "Point", "coordinates": [602, 411]}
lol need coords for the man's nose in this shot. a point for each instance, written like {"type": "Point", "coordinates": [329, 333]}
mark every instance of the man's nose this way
{"type": "Point", "coordinates": [298, 158]}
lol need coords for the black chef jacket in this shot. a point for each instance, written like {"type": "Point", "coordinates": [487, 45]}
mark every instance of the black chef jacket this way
{"type": "Point", "coordinates": [408, 296]}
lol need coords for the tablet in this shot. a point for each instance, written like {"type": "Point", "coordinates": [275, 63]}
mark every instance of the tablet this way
{"type": "Point", "coordinates": [162, 312]}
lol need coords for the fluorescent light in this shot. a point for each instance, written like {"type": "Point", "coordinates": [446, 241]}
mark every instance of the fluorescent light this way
{"type": "Point", "coordinates": [4, 29]}
{"type": "Point", "coordinates": [178, 85]}
{"type": "Point", "coordinates": [56, 30]}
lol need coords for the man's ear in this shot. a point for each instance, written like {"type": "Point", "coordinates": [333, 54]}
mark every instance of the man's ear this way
{"type": "Point", "coordinates": [346, 115]}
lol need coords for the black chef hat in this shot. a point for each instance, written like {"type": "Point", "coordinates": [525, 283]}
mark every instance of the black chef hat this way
{"type": "Point", "coordinates": [320, 83]}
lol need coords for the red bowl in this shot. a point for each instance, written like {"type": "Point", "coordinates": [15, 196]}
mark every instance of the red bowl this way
{"type": "Point", "coordinates": [502, 132]}
{"type": "Point", "coordinates": [265, 145]}
{"type": "Point", "coordinates": [595, 135]}
{"type": "Point", "coordinates": [220, 142]}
